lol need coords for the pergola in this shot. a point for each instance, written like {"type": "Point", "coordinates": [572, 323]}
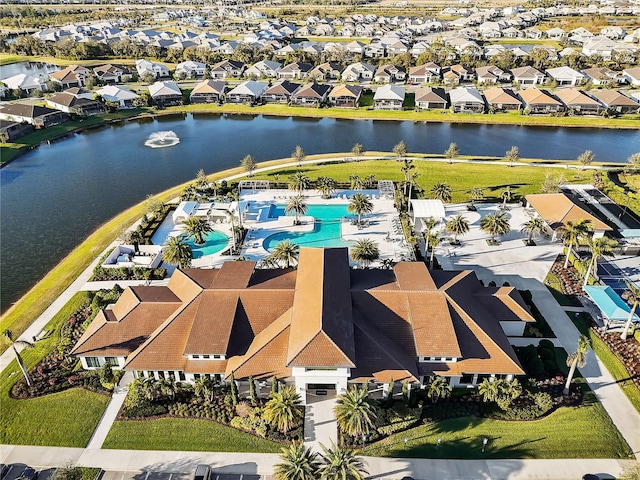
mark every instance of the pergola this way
{"type": "Point", "coordinates": [423, 210]}
{"type": "Point", "coordinates": [614, 309]}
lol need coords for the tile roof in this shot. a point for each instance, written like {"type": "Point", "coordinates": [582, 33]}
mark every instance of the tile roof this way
{"type": "Point", "coordinates": [558, 208]}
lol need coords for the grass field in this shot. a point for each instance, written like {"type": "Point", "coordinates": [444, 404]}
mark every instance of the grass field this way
{"type": "Point", "coordinates": [63, 419]}
{"type": "Point", "coordinates": [185, 434]}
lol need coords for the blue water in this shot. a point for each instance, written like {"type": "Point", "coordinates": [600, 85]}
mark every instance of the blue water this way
{"type": "Point", "coordinates": [327, 230]}
{"type": "Point", "coordinates": [215, 242]}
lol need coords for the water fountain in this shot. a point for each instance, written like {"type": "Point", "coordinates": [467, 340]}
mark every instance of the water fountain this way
{"type": "Point", "coordinates": [162, 139]}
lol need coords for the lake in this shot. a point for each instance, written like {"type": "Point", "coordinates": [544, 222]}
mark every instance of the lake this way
{"type": "Point", "coordinates": [29, 68]}
{"type": "Point", "coordinates": [56, 195]}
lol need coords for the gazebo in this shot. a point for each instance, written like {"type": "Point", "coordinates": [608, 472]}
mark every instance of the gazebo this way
{"type": "Point", "coordinates": [615, 310]}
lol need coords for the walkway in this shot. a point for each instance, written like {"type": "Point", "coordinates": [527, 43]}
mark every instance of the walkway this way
{"type": "Point", "coordinates": [320, 427]}
{"type": "Point", "coordinates": [110, 414]}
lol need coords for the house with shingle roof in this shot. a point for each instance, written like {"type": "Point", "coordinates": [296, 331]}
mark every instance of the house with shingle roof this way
{"type": "Point", "coordinates": [111, 73]}
{"type": "Point", "coordinates": [389, 97]}
{"type": "Point", "coordinates": [603, 75]}
{"type": "Point", "coordinates": [25, 83]}
{"type": "Point", "coordinates": [280, 92]}
{"type": "Point", "coordinates": [326, 71]}
{"type": "Point", "coordinates": [76, 100]}
{"type": "Point", "coordinates": [358, 71]}
{"type": "Point", "coordinates": [540, 101]}
{"type": "Point", "coordinates": [227, 68]}
{"type": "Point", "coordinates": [322, 323]}
{"type": "Point", "coordinates": [263, 68]}
{"type": "Point", "coordinates": [578, 102]}
{"type": "Point", "coordinates": [39, 117]}
{"type": "Point", "coordinates": [632, 75]}
{"type": "Point", "coordinates": [165, 93]}
{"type": "Point", "coordinates": [466, 99]}
{"type": "Point", "coordinates": [123, 97]}
{"type": "Point", "coordinates": [388, 73]}
{"type": "Point", "coordinates": [565, 76]}
{"type": "Point", "coordinates": [311, 94]}
{"type": "Point", "coordinates": [247, 92]}
{"type": "Point", "coordinates": [208, 91]}
{"type": "Point", "coordinates": [527, 76]}
{"type": "Point", "coordinates": [72, 76]}
{"type": "Point", "coordinates": [614, 101]}
{"type": "Point", "coordinates": [346, 96]}
{"type": "Point", "coordinates": [426, 73]}
{"type": "Point", "coordinates": [501, 99]}
{"type": "Point", "coordinates": [431, 98]}
{"type": "Point", "coordinates": [295, 71]}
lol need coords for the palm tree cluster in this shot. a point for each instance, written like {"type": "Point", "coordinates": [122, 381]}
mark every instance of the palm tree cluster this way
{"type": "Point", "coordinates": [533, 227]}
{"type": "Point", "coordinates": [501, 391]}
{"type": "Point", "coordinates": [284, 255]}
{"type": "Point", "coordinates": [365, 251]}
{"type": "Point", "coordinates": [334, 463]}
{"type": "Point", "coordinates": [573, 234]}
{"type": "Point", "coordinates": [355, 414]}
{"type": "Point", "coordinates": [283, 409]}
{"type": "Point", "coordinates": [495, 224]}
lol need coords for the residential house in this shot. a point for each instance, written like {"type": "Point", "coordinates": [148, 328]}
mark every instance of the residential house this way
{"type": "Point", "coordinates": [311, 95]}
{"type": "Point", "coordinates": [347, 96]}
{"type": "Point", "coordinates": [580, 35]}
{"type": "Point", "coordinates": [153, 69]}
{"type": "Point", "coordinates": [389, 97]}
{"type": "Point", "coordinates": [491, 74]}
{"type": "Point", "coordinates": [263, 69]}
{"type": "Point", "coordinates": [466, 100]}
{"type": "Point", "coordinates": [39, 117]}
{"type": "Point", "coordinates": [322, 323]}
{"type": "Point", "coordinates": [226, 69]}
{"type": "Point", "coordinates": [540, 101]}
{"type": "Point", "coordinates": [555, 33]}
{"type": "Point", "coordinates": [601, 46]}
{"type": "Point", "coordinates": [76, 100]}
{"type": "Point", "coordinates": [208, 91]}
{"type": "Point", "coordinates": [527, 76]}
{"type": "Point", "coordinates": [632, 75]}
{"type": "Point", "coordinates": [25, 83]}
{"type": "Point", "coordinates": [389, 73]}
{"type": "Point", "coordinates": [248, 92]}
{"type": "Point", "coordinates": [326, 71]}
{"type": "Point", "coordinates": [110, 74]}
{"type": "Point", "coordinates": [428, 98]}
{"type": "Point", "coordinates": [614, 101]}
{"type": "Point", "coordinates": [464, 73]}
{"type": "Point", "coordinates": [603, 76]}
{"type": "Point", "coordinates": [501, 99]}
{"type": "Point", "coordinates": [355, 47]}
{"type": "Point", "coordinates": [427, 73]}
{"type": "Point", "coordinates": [71, 76]}
{"type": "Point", "coordinates": [565, 76]}
{"type": "Point", "coordinates": [165, 93]}
{"type": "Point", "coordinates": [295, 71]}
{"type": "Point", "coordinates": [358, 71]}
{"type": "Point", "coordinates": [190, 69]}
{"type": "Point", "coordinates": [10, 130]}
{"type": "Point", "coordinates": [280, 92]}
{"type": "Point", "coordinates": [577, 102]}
{"type": "Point", "coordinates": [123, 97]}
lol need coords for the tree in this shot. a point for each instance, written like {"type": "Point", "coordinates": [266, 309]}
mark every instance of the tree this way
{"type": "Point", "coordinates": [476, 193]}
{"type": "Point", "coordinates": [370, 180]}
{"type": "Point", "coordinates": [400, 150]}
{"type": "Point", "coordinates": [506, 196]}
{"type": "Point", "coordinates": [600, 247]}
{"type": "Point", "coordinates": [326, 186]}
{"type": "Point", "coordinates": [298, 206]}
{"type": "Point", "coordinates": [298, 182]}
{"type": "Point", "coordinates": [298, 155]}
{"type": "Point", "coordinates": [177, 252]}
{"type": "Point", "coordinates": [202, 182]}
{"type": "Point", "coordinates": [501, 391]}
{"type": "Point", "coordinates": [574, 233]}
{"type": "Point", "coordinates": [452, 152]}
{"type": "Point", "coordinates": [286, 254]}
{"type": "Point", "coordinates": [8, 334]}
{"type": "Point", "coordinates": [432, 240]}
{"type": "Point", "coordinates": [252, 391]}
{"type": "Point", "coordinates": [68, 472]}
{"type": "Point", "coordinates": [365, 251]}
{"type": "Point", "coordinates": [632, 296]}
{"type": "Point", "coordinates": [354, 412]}
{"type": "Point", "coordinates": [356, 182]}
{"type": "Point", "coordinates": [586, 158]}
{"type": "Point", "coordinates": [633, 164]}
{"type": "Point", "coordinates": [167, 387]}
{"type": "Point", "coordinates": [512, 155]}
{"type": "Point", "coordinates": [197, 228]}
{"type": "Point", "coordinates": [407, 169]}
{"type": "Point", "coordinates": [298, 463]}
{"type": "Point", "coordinates": [577, 359]}
{"type": "Point", "coordinates": [340, 464]}
{"type": "Point", "coordinates": [249, 164]}
{"type": "Point", "coordinates": [282, 410]}
{"type": "Point", "coordinates": [360, 204]}
{"type": "Point", "coordinates": [533, 227]}
{"type": "Point", "coordinates": [412, 181]}
{"type": "Point", "coordinates": [357, 151]}
{"type": "Point", "coordinates": [441, 191]}
{"type": "Point", "coordinates": [457, 225]}
{"type": "Point", "coordinates": [233, 388]}
{"type": "Point", "coordinates": [438, 388]}
{"type": "Point", "coordinates": [204, 387]}
{"type": "Point", "coordinates": [495, 224]}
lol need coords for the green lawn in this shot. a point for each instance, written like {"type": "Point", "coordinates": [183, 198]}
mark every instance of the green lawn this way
{"type": "Point", "coordinates": [185, 434]}
{"type": "Point", "coordinates": [584, 432]}
{"type": "Point", "coordinates": [63, 419]}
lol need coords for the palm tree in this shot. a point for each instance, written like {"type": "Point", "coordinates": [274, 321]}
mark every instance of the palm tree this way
{"type": "Point", "coordinates": [249, 164]}
{"type": "Point", "coordinates": [441, 191]}
{"type": "Point", "coordinates": [577, 359]}
{"type": "Point", "coordinates": [400, 150]}
{"type": "Point", "coordinates": [533, 227]}
{"type": "Point", "coordinates": [476, 193]}
{"type": "Point", "coordinates": [457, 225]}
{"type": "Point", "coordinates": [8, 334]}
{"type": "Point", "coordinates": [365, 251]}
{"type": "Point", "coordinates": [512, 155]}
{"type": "Point", "coordinates": [412, 181]}
{"type": "Point", "coordinates": [489, 390]}
{"type": "Point", "coordinates": [177, 252]}
{"type": "Point", "coordinates": [506, 196]}
{"type": "Point", "coordinates": [204, 387]}
{"type": "Point", "coordinates": [407, 168]}
{"type": "Point", "coordinates": [438, 388]}
{"type": "Point", "coordinates": [282, 410]}
{"type": "Point", "coordinates": [370, 180]}
{"type": "Point", "coordinates": [298, 463]}
{"type": "Point", "coordinates": [356, 182]}
{"type": "Point", "coordinates": [298, 206]}
{"type": "Point", "coordinates": [633, 164]}
{"type": "Point", "coordinates": [600, 247]}
{"type": "Point", "coordinates": [326, 186]}
{"type": "Point", "coordinates": [452, 152]}
{"type": "Point", "coordinates": [360, 204]}
{"type": "Point", "coordinates": [299, 155]}
{"type": "Point", "coordinates": [432, 240]}
{"type": "Point", "coordinates": [495, 224]}
{"type": "Point", "coordinates": [354, 412]}
{"type": "Point", "coordinates": [340, 464]}
{"type": "Point", "coordinates": [586, 158]}
{"type": "Point", "coordinates": [357, 151]}
{"type": "Point", "coordinates": [231, 216]}
{"type": "Point", "coordinates": [197, 228]}
{"type": "Point", "coordinates": [632, 296]}
{"type": "Point", "coordinates": [298, 182]}
{"type": "Point", "coordinates": [574, 233]}
{"type": "Point", "coordinates": [286, 253]}
{"type": "Point", "coordinates": [202, 182]}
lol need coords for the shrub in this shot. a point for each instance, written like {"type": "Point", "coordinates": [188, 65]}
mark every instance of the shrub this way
{"type": "Point", "coordinates": [243, 409]}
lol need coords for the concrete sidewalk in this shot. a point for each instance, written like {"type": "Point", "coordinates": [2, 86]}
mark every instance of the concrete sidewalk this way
{"type": "Point", "coordinates": [110, 414]}
{"type": "Point", "coordinates": [320, 426]}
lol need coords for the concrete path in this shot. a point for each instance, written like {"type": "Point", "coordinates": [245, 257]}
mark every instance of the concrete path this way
{"type": "Point", "coordinates": [320, 427]}
{"type": "Point", "coordinates": [262, 464]}
{"type": "Point", "coordinates": [110, 414]}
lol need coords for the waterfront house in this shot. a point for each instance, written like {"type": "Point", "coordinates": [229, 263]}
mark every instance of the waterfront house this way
{"type": "Point", "coordinates": [248, 92]}
{"type": "Point", "coordinates": [347, 96]}
{"type": "Point", "coordinates": [280, 92]}
{"type": "Point", "coordinates": [466, 100]}
{"type": "Point", "coordinates": [322, 323]}
{"type": "Point", "coordinates": [227, 68]}
{"type": "Point", "coordinates": [165, 93]}
{"type": "Point", "coordinates": [578, 102]}
{"type": "Point", "coordinates": [431, 98]}
{"type": "Point", "coordinates": [208, 91]}
{"type": "Point", "coordinates": [614, 101]}
{"type": "Point", "coordinates": [123, 97]}
{"type": "Point", "coordinates": [527, 76]}
{"type": "Point", "coordinates": [311, 95]}
{"type": "Point", "coordinates": [28, 84]}
{"type": "Point", "coordinates": [10, 130]}
{"type": "Point", "coordinates": [76, 100]}
{"type": "Point", "coordinates": [39, 117]}
{"type": "Point", "coordinates": [501, 99]}
{"type": "Point", "coordinates": [71, 76]}
{"type": "Point", "coordinates": [389, 97]}
{"type": "Point", "coordinates": [540, 101]}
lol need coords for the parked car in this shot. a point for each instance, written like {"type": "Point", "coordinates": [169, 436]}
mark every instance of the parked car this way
{"type": "Point", "coordinates": [202, 472]}
{"type": "Point", "coordinates": [28, 474]}
{"type": "Point", "coordinates": [4, 469]}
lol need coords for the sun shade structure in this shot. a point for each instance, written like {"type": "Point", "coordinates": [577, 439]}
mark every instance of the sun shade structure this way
{"type": "Point", "coordinates": [558, 208]}
{"type": "Point", "coordinates": [425, 209]}
{"type": "Point", "coordinates": [609, 302]}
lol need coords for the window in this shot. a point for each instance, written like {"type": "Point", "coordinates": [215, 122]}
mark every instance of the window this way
{"type": "Point", "coordinates": [112, 361]}
{"type": "Point", "coordinates": [217, 356]}
{"type": "Point", "coordinates": [467, 378]}
{"type": "Point", "coordinates": [161, 374]}
{"type": "Point", "coordinates": [182, 376]}
{"type": "Point", "coordinates": [195, 356]}
{"type": "Point", "coordinates": [196, 376]}
{"type": "Point", "coordinates": [206, 357]}
{"type": "Point", "coordinates": [92, 362]}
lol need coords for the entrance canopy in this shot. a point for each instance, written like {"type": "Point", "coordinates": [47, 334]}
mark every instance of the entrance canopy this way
{"type": "Point", "coordinates": [609, 302]}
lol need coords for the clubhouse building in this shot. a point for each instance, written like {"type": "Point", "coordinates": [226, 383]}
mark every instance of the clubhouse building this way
{"type": "Point", "coordinates": [322, 325]}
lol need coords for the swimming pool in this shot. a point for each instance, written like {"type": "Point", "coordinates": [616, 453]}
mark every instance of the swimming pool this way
{"type": "Point", "coordinates": [327, 230]}
{"type": "Point", "coordinates": [214, 242]}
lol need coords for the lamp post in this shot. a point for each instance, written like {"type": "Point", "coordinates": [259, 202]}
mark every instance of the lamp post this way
{"type": "Point", "coordinates": [405, 442]}
{"type": "Point", "coordinates": [485, 440]}
{"type": "Point", "coordinates": [439, 441]}
{"type": "Point", "coordinates": [364, 439]}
